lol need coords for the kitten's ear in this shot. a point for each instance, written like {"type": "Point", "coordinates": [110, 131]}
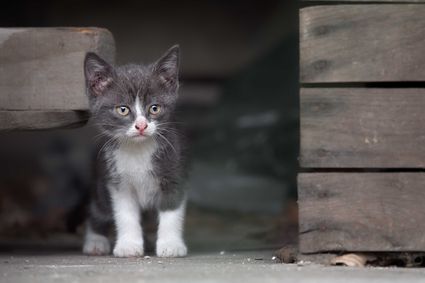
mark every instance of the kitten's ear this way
{"type": "Point", "coordinates": [98, 73]}
{"type": "Point", "coordinates": [167, 68]}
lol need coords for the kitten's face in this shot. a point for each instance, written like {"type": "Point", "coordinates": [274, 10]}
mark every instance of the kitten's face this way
{"type": "Point", "coordinates": [132, 102]}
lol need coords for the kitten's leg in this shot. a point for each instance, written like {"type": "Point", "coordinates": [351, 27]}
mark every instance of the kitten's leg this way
{"type": "Point", "coordinates": [170, 233]}
{"type": "Point", "coordinates": [127, 220]}
{"type": "Point", "coordinates": [95, 243]}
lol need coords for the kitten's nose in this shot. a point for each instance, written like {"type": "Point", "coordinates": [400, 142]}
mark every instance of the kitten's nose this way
{"type": "Point", "coordinates": [141, 126]}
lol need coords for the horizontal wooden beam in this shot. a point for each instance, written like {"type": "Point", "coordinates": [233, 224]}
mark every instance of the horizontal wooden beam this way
{"type": "Point", "coordinates": [42, 68]}
{"type": "Point", "coordinates": [41, 120]}
{"type": "Point", "coordinates": [362, 128]}
{"type": "Point", "coordinates": [362, 43]}
{"type": "Point", "coordinates": [361, 212]}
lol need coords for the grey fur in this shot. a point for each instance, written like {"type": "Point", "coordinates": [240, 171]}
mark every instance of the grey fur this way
{"type": "Point", "coordinates": [108, 87]}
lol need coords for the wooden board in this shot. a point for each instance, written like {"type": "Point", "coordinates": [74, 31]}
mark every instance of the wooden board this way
{"type": "Point", "coordinates": [361, 212]}
{"type": "Point", "coordinates": [42, 68]}
{"type": "Point", "coordinates": [362, 128]}
{"type": "Point", "coordinates": [362, 43]}
{"type": "Point", "coordinates": [41, 120]}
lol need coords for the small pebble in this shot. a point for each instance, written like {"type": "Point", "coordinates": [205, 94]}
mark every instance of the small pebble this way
{"type": "Point", "coordinates": [146, 257]}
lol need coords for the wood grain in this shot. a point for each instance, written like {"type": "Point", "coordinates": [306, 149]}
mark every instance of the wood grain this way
{"type": "Point", "coordinates": [42, 68]}
{"type": "Point", "coordinates": [362, 43]}
{"type": "Point", "coordinates": [362, 128]}
{"type": "Point", "coordinates": [41, 120]}
{"type": "Point", "coordinates": [361, 212]}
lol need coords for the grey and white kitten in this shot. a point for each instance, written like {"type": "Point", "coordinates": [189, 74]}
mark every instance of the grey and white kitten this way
{"type": "Point", "coordinates": [139, 165]}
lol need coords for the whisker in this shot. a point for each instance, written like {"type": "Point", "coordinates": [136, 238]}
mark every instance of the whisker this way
{"type": "Point", "coordinates": [99, 136]}
{"type": "Point", "coordinates": [171, 131]}
{"type": "Point", "coordinates": [162, 136]}
{"type": "Point", "coordinates": [105, 145]}
{"type": "Point", "coordinates": [168, 123]}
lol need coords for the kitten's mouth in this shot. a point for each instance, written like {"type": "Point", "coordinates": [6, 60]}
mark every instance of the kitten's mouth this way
{"type": "Point", "coordinates": [139, 137]}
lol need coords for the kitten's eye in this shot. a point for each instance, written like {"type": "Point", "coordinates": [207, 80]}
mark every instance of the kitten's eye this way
{"type": "Point", "coordinates": [155, 109]}
{"type": "Point", "coordinates": [122, 110]}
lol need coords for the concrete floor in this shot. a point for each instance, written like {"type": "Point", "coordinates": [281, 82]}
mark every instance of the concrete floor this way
{"type": "Point", "coordinates": [213, 267]}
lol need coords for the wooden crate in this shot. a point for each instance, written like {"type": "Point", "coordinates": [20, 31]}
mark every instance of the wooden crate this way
{"type": "Point", "coordinates": [42, 83]}
{"type": "Point", "coordinates": [362, 97]}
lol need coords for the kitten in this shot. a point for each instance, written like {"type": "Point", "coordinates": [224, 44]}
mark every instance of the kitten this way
{"type": "Point", "coordinates": [139, 164]}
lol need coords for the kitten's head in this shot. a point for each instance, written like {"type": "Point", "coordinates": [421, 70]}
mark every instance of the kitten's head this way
{"type": "Point", "coordinates": [132, 102]}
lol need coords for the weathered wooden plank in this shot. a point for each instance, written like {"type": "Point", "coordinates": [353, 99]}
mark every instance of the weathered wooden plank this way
{"type": "Point", "coordinates": [362, 43]}
{"type": "Point", "coordinates": [42, 68]}
{"type": "Point", "coordinates": [361, 212]}
{"type": "Point", "coordinates": [362, 128]}
{"type": "Point", "coordinates": [41, 120]}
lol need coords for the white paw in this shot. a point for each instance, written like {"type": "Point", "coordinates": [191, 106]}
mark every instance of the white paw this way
{"type": "Point", "coordinates": [96, 245]}
{"type": "Point", "coordinates": [171, 248]}
{"type": "Point", "coordinates": [128, 249]}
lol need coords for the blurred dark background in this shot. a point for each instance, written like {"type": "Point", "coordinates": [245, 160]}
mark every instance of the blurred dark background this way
{"type": "Point", "coordinates": [239, 106]}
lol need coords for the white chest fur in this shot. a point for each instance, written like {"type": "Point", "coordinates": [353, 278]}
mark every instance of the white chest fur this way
{"type": "Point", "coordinates": [133, 162]}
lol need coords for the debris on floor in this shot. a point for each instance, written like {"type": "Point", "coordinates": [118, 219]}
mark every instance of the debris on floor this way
{"type": "Point", "coordinates": [287, 254]}
{"type": "Point", "coordinates": [380, 259]}
{"type": "Point", "coordinates": [352, 260]}
{"type": "Point", "coordinates": [232, 267]}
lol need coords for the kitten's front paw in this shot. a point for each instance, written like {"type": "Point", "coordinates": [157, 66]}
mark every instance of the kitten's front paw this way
{"type": "Point", "coordinates": [171, 248]}
{"type": "Point", "coordinates": [128, 249]}
{"type": "Point", "coordinates": [96, 245]}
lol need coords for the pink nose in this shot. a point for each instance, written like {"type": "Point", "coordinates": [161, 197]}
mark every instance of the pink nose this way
{"type": "Point", "coordinates": [141, 126]}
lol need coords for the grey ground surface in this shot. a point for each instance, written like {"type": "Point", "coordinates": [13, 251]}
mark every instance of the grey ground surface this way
{"type": "Point", "coordinates": [207, 267]}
